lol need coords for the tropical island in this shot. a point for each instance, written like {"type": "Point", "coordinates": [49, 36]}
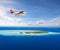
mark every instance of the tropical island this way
{"type": "Point", "coordinates": [33, 32]}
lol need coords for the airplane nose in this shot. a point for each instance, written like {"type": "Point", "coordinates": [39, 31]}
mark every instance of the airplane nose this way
{"type": "Point", "coordinates": [23, 14]}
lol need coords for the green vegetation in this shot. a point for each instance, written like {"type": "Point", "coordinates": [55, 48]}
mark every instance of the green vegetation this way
{"type": "Point", "coordinates": [33, 32]}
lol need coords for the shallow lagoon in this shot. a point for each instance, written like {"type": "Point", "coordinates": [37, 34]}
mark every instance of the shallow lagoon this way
{"type": "Point", "coordinates": [13, 40]}
{"type": "Point", "coordinates": [49, 41]}
{"type": "Point", "coordinates": [25, 32]}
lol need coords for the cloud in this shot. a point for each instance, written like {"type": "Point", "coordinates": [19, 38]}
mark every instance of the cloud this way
{"type": "Point", "coordinates": [40, 22]}
{"type": "Point", "coordinates": [8, 2]}
{"type": "Point", "coordinates": [55, 22]}
{"type": "Point", "coordinates": [5, 20]}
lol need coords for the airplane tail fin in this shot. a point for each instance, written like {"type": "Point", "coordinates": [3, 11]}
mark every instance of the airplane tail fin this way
{"type": "Point", "coordinates": [11, 11]}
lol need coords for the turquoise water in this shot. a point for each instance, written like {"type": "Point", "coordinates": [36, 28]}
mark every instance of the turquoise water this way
{"type": "Point", "coordinates": [17, 32]}
{"type": "Point", "coordinates": [13, 40]}
{"type": "Point", "coordinates": [45, 42]}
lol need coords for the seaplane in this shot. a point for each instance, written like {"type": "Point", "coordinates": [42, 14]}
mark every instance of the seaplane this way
{"type": "Point", "coordinates": [21, 13]}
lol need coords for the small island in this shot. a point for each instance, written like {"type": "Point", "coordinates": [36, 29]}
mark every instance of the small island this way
{"type": "Point", "coordinates": [33, 32]}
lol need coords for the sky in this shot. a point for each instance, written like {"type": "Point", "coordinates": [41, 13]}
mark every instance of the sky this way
{"type": "Point", "coordinates": [39, 13]}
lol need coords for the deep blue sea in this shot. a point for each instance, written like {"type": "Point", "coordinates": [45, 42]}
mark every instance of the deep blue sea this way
{"type": "Point", "coordinates": [44, 42]}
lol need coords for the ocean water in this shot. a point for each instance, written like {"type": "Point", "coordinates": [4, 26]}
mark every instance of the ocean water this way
{"type": "Point", "coordinates": [10, 39]}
